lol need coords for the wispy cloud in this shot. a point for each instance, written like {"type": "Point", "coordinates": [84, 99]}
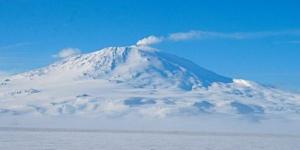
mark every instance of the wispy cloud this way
{"type": "Point", "coordinates": [199, 35]}
{"type": "Point", "coordinates": [180, 36]}
{"type": "Point", "coordinates": [67, 52]}
{"type": "Point", "coordinates": [150, 40]}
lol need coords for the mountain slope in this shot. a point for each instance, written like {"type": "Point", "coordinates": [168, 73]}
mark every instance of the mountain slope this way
{"type": "Point", "coordinates": [137, 80]}
{"type": "Point", "coordinates": [139, 67]}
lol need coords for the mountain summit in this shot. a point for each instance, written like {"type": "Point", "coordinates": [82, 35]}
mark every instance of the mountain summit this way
{"type": "Point", "coordinates": [137, 80]}
{"type": "Point", "coordinates": [138, 67]}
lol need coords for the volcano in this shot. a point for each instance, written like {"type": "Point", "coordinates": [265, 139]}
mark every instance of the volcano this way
{"type": "Point", "coordinates": [137, 80]}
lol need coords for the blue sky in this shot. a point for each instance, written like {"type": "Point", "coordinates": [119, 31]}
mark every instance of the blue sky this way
{"type": "Point", "coordinates": [256, 40]}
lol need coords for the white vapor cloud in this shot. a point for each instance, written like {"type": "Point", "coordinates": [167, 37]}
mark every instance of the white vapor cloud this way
{"type": "Point", "coordinates": [150, 40]}
{"type": "Point", "coordinates": [198, 34]}
{"type": "Point", "coordinates": [67, 52]}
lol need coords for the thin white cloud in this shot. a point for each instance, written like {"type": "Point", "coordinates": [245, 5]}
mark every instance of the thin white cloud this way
{"type": "Point", "coordinates": [198, 34]}
{"type": "Point", "coordinates": [67, 52]}
{"type": "Point", "coordinates": [181, 36]}
{"type": "Point", "coordinates": [150, 40]}
{"type": "Point", "coordinates": [230, 35]}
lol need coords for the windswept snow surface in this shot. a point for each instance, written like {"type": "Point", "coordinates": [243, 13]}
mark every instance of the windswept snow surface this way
{"type": "Point", "coordinates": [141, 81]}
{"type": "Point", "coordinates": [36, 139]}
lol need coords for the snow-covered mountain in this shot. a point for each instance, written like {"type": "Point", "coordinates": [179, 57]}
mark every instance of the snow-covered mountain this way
{"type": "Point", "coordinates": [135, 66]}
{"type": "Point", "coordinates": [119, 81]}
